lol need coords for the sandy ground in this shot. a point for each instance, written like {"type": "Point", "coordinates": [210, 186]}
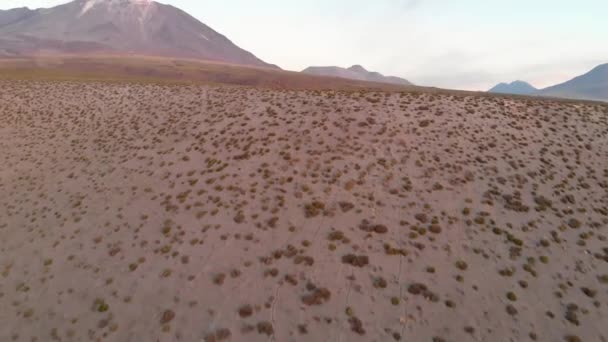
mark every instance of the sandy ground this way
{"type": "Point", "coordinates": [194, 213]}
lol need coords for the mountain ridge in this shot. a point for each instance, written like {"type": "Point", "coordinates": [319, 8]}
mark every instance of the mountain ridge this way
{"type": "Point", "coordinates": [592, 85]}
{"type": "Point", "coordinates": [355, 72]}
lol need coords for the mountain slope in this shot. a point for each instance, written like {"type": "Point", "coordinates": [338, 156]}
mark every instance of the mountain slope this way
{"type": "Point", "coordinates": [355, 72]}
{"type": "Point", "coordinates": [590, 86]}
{"type": "Point", "coordinates": [516, 87]}
{"type": "Point", "coordinates": [141, 27]}
{"type": "Point", "coordinates": [13, 15]}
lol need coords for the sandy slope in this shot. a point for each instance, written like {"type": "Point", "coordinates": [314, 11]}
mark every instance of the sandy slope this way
{"type": "Point", "coordinates": [194, 213]}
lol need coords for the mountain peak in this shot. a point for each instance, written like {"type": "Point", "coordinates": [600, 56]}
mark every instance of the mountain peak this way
{"type": "Point", "coordinates": [516, 87]}
{"type": "Point", "coordinates": [133, 27]}
{"type": "Point", "coordinates": [113, 2]}
{"type": "Point", "coordinates": [87, 5]}
{"type": "Point", "coordinates": [357, 68]}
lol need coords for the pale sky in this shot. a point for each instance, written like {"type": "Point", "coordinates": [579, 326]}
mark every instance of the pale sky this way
{"type": "Point", "coordinates": [460, 44]}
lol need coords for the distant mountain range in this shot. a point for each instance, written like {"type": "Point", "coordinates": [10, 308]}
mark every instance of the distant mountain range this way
{"type": "Point", "coordinates": [355, 72]}
{"type": "Point", "coordinates": [590, 86]}
{"type": "Point", "coordinates": [149, 28]}
{"type": "Point", "coordinates": [135, 27]}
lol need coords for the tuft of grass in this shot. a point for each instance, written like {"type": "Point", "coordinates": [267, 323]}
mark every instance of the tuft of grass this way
{"type": "Point", "coordinates": [245, 311]}
{"type": "Point", "coordinates": [511, 310]}
{"type": "Point", "coordinates": [355, 260]}
{"type": "Point", "coordinates": [461, 265]}
{"type": "Point", "coordinates": [100, 305]}
{"type": "Point", "coordinates": [167, 316]}
{"type": "Point", "coordinates": [313, 209]}
{"type": "Point", "coordinates": [317, 296]}
{"type": "Point", "coordinates": [265, 328]}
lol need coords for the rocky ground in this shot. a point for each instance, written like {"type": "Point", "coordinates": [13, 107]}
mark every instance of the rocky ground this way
{"type": "Point", "coordinates": [194, 213]}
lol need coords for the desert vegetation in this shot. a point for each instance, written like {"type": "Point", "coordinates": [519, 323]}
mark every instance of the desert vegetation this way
{"type": "Point", "coordinates": [161, 212]}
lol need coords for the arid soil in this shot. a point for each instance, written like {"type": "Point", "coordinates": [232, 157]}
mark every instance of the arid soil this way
{"type": "Point", "coordinates": [175, 70]}
{"type": "Point", "coordinates": [204, 213]}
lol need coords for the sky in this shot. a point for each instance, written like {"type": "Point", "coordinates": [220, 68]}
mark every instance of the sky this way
{"type": "Point", "coordinates": [459, 44]}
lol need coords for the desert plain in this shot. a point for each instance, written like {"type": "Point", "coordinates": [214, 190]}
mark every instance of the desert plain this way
{"type": "Point", "coordinates": [147, 211]}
